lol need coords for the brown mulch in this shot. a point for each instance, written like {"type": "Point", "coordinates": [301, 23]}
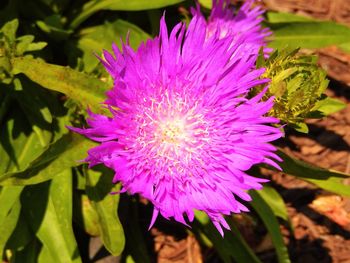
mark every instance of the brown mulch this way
{"type": "Point", "coordinates": [336, 10]}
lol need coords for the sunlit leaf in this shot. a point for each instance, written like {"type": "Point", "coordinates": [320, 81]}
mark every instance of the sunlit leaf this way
{"type": "Point", "coordinates": [85, 214]}
{"type": "Point", "coordinates": [19, 145]}
{"type": "Point", "coordinates": [8, 224]}
{"type": "Point", "coordinates": [94, 6]}
{"type": "Point", "coordinates": [281, 17]}
{"type": "Point", "coordinates": [230, 247]}
{"type": "Point", "coordinates": [308, 34]}
{"type": "Point", "coordinates": [99, 186]}
{"type": "Point", "coordinates": [86, 90]}
{"type": "Point", "coordinates": [63, 154]}
{"type": "Point", "coordinates": [327, 106]}
{"type": "Point", "coordinates": [267, 216]}
{"type": "Point", "coordinates": [206, 3]}
{"type": "Point", "coordinates": [274, 201]}
{"type": "Point", "coordinates": [8, 197]}
{"type": "Point", "coordinates": [50, 214]}
{"type": "Point", "coordinates": [9, 30]}
{"type": "Point", "coordinates": [22, 235]}
{"type": "Point", "coordinates": [327, 179]}
{"type": "Point", "coordinates": [345, 47]}
{"type": "Point", "coordinates": [95, 39]}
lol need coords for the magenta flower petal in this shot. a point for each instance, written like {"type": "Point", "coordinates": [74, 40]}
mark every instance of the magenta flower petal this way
{"type": "Point", "coordinates": [185, 133]}
{"type": "Point", "coordinates": [226, 21]}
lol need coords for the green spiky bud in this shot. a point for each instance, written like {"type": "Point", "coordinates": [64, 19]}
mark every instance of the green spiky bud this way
{"type": "Point", "coordinates": [297, 83]}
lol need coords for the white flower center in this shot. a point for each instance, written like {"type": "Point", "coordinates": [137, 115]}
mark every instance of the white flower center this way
{"type": "Point", "coordinates": [172, 134]}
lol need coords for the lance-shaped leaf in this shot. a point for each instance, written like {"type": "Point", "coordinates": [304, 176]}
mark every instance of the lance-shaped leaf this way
{"type": "Point", "coordinates": [48, 208]}
{"type": "Point", "coordinates": [8, 197]}
{"type": "Point", "coordinates": [94, 6]}
{"type": "Point", "coordinates": [326, 107]}
{"type": "Point", "coordinates": [230, 247]}
{"type": "Point", "coordinates": [274, 200]}
{"type": "Point", "coordinates": [99, 185]}
{"type": "Point", "coordinates": [308, 34]}
{"type": "Point", "coordinates": [63, 154]}
{"type": "Point", "coordinates": [206, 3]}
{"type": "Point", "coordinates": [267, 216]}
{"type": "Point", "coordinates": [326, 179]}
{"type": "Point", "coordinates": [95, 39]}
{"type": "Point", "coordinates": [85, 89]}
{"type": "Point", "coordinates": [19, 145]}
{"type": "Point", "coordinates": [8, 224]}
{"type": "Point", "coordinates": [85, 214]}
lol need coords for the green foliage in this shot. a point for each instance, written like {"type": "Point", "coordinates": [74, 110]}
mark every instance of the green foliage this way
{"type": "Point", "coordinates": [294, 32]}
{"type": "Point", "coordinates": [274, 200]}
{"type": "Point", "coordinates": [85, 89]}
{"type": "Point", "coordinates": [94, 6]}
{"type": "Point", "coordinates": [329, 180]}
{"type": "Point", "coordinates": [267, 216]}
{"type": "Point", "coordinates": [98, 188]}
{"type": "Point", "coordinates": [206, 3]}
{"type": "Point", "coordinates": [231, 247]}
{"type": "Point", "coordinates": [98, 38]}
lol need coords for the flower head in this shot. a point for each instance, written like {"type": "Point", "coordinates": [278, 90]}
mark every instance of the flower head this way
{"type": "Point", "coordinates": [225, 21]}
{"type": "Point", "coordinates": [184, 134]}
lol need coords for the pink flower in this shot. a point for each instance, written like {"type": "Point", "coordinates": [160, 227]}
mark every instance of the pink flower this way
{"type": "Point", "coordinates": [226, 21]}
{"type": "Point", "coordinates": [185, 132]}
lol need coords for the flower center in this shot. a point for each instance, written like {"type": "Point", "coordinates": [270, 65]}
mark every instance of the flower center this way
{"type": "Point", "coordinates": [172, 131]}
{"type": "Point", "coordinates": [172, 135]}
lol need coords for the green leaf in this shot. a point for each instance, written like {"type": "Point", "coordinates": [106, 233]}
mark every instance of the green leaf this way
{"type": "Point", "coordinates": [326, 179]}
{"type": "Point", "coordinates": [274, 200]}
{"type": "Point", "coordinates": [345, 47]}
{"type": "Point", "coordinates": [19, 145]}
{"type": "Point", "coordinates": [308, 34]}
{"type": "Point", "coordinates": [281, 17]}
{"type": "Point", "coordinates": [45, 255]}
{"type": "Point", "coordinates": [86, 90]}
{"type": "Point", "coordinates": [22, 235]}
{"type": "Point", "coordinates": [8, 224]}
{"type": "Point", "coordinates": [29, 254]}
{"type": "Point", "coordinates": [206, 3]}
{"type": "Point", "coordinates": [267, 216]}
{"type": "Point", "coordinates": [36, 46]}
{"type": "Point", "coordinates": [94, 6]}
{"type": "Point", "coordinates": [23, 43]}
{"type": "Point", "coordinates": [10, 29]}
{"type": "Point", "coordinates": [36, 111]}
{"type": "Point", "coordinates": [327, 106]}
{"type": "Point", "coordinates": [301, 127]}
{"type": "Point", "coordinates": [99, 186]}
{"type": "Point", "coordinates": [230, 247]}
{"type": "Point", "coordinates": [63, 154]}
{"type": "Point", "coordinates": [48, 207]}
{"type": "Point", "coordinates": [8, 197]}
{"type": "Point", "coordinates": [95, 39]}
{"type": "Point", "coordinates": [85, 214]}
{"type": "Point", "coordinates": [53, 27]}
